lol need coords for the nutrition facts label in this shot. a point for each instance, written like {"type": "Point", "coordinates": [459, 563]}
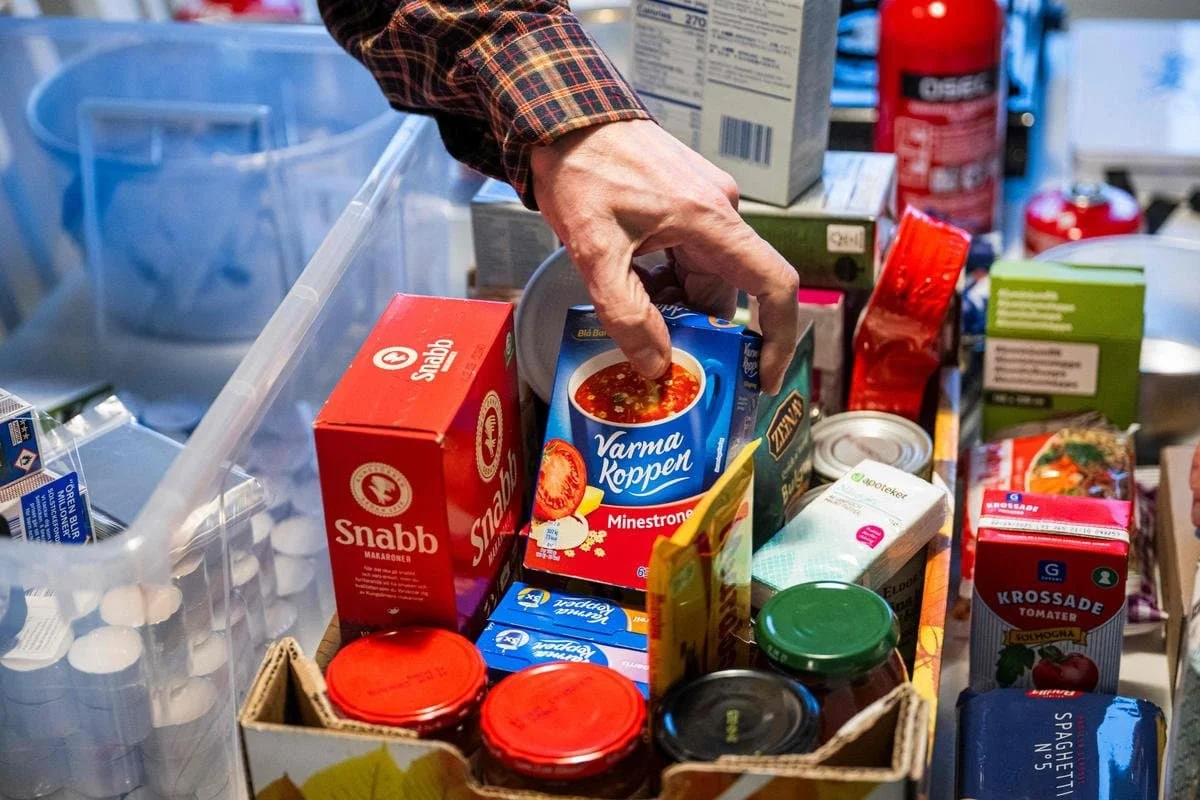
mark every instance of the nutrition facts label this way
{"type": "Point", "coordinates": [669, 59]}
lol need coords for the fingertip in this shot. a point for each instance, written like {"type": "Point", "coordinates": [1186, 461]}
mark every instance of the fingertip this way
{"type": "Point", "coordinates": [651, 361]}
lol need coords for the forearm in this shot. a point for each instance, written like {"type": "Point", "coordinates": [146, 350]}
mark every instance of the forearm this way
{"type": "Point", "coordinates": [502, 76]}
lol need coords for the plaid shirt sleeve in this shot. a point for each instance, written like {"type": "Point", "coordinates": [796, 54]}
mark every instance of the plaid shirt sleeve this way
{"type": "Point", "coordinates": [500, 76]}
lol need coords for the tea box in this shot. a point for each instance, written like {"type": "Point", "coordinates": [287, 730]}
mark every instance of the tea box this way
{"type": "Point", "coordinates": [626, 459]}
{"type": "Point", "coordinates": [1062, 338]}
{"type": "Point", "coordinates": [419, 455]}
{"type": "Point", "coordinates": [593, 619]}
{"type": "Point", "coordinates": [1049, 604]}
{"type": "Point", "coordinates": [509, 648]}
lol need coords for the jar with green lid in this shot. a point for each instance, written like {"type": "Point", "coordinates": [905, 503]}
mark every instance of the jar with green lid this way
{"type": "Point", "coordinates": [837, 639]}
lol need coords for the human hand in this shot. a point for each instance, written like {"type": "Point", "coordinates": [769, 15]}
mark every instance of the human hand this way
{"type": "Point", "coordinates": [615, 191]}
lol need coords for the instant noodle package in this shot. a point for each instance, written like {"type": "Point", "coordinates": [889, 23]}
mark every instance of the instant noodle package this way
{"type": "Point", "coordinates": [627, 458]}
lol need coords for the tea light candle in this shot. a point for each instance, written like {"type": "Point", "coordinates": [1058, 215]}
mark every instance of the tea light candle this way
{"type": "Point", "coordinates": [103, 771]}
{"type": "Point", "coordinates": [299, 536]}
{"type": "Point", "coordinates": [86, 615]}
{"type": "Point", "coordinates": [247, 588]}
{"type": "Point", "coordinates": [214, 565]}
{"type": "Point", "coordinates": [306, 495]}
{"type": "Point", "coordinates": [190, 575]}
{"type": "Point", "coordinates": [186, 774]}
{"type": "Point", "coordinates": [30, 770]}
{"type": "Point", "coordinates": [185, 720]}
{"type": "Point", "coordinates": [260, 526]}
{"type": "Point", "coordinates": [37, 680]}
{"type": "Point", "coordinates": [210, 659]}
{"type": "Point", "coordinates": [281, 619]}
{"type": "Point", "coordinates": [157, 612]}
{"type": "Point", "coordinates": [106, 665]}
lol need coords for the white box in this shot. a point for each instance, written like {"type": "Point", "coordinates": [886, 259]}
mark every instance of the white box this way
{"type": "Point", "coordinates": [511, 241]}
{"type": "Point", "coordinates": [746, 83]}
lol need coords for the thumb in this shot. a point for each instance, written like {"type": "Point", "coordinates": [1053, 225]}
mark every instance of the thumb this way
{"type": "Point", "coordinates": [625, 311]}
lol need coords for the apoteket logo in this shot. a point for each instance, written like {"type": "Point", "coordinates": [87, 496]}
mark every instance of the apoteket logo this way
{"type": "Point", "coordinates": [381, 489]}
{"type": "Point", "coordinates": [489, 429]}
{"type": "Point", "coordinates": [394, 358]}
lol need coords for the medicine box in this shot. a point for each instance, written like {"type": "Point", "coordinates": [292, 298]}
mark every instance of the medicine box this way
{"type": "Point", "coordinates": [20, 454]}
{"type": "Point", "coordinates": [746, 86]}
{"type": "Point", "coordinates": [1061, 338]}
{"type": "Point", "coordinates": [836, 233]}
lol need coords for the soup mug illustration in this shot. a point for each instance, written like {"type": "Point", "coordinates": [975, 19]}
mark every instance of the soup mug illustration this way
{"type": "Point", "coordinates": [647, 442]}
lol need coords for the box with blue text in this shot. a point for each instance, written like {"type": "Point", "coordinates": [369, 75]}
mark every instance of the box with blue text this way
{"type": "Point", "coordinates": [593, 619]}
{"type": "Point", "coordinates": [20, 453]}
{"type": "Point", "coordinates": [627, 458]}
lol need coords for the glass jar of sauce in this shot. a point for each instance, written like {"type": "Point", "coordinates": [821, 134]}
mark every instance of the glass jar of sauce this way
{"type": "Point", "coordinates": [566, 729]}
{"type": "Point", "coordinates": [426, 680]}
{"type": "Point", "coordinates": [737, 712]}
{"type": "Point", "coordinates": [837, 639]}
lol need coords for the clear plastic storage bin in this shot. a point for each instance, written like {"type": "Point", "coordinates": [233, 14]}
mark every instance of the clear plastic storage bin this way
{"type": "Point", "coordinates": [164, 625]}
{"type": "Point", "coordinates": [161, 188]}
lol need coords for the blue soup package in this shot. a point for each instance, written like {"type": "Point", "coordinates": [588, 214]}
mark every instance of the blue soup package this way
{"type": "Point", "coordinates": [592, 619]}
{"type": "Point", "coordinates": [1018, 744]}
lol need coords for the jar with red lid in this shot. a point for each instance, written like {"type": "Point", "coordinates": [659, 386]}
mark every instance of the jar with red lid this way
{"type": "Point", "coordinates": [837, 639]}
{"type": "Point", "coordinates": [426, 680]}
{"type": "Point", "coordinates": [568, 729]}
{"type": "Point", "coordinates": [1082, 210]}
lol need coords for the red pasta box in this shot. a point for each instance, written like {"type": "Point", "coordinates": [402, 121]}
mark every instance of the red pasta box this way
{"type": "Point", "coordinates": [627, 459]}
{"type": "Point", "coordinates": [419, 453]}
{"type": "Point", "coordinates": [1049, 605]}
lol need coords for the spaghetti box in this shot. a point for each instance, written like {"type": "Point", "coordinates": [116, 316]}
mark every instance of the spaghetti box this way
{"type": "Point", "coordinates": [836, 233]}
{"type": "Point", "coordinates": [1032, 745]}
{"type": "Point", "coordinates": [1049, 604]}
{"type": "Point", "coordinates": [1062, 338]}
{"type": "Point", "coordinates": [627, 459]}
{"type": "Point", "coordinates": [510, 648]}
{"type": "Point", "coordinates": [419, 454]}
{"type": "Point", "coordinates": [20, 453]}
{"type": "Point", "coordinates": [592, 619]}
{"type": "Point", "coordinates": [46, 508]}
{"type": "Point", "coordinates": [747, 87]}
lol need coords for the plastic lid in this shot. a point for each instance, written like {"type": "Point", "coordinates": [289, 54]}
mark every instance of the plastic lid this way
{"type": "Point", "coordinates": [563, 720]}
{"type": "Point", "coordinates": [827, 628]}
{"type": "Point", "coordinates": [737, 712]}
{"type": "Point", "coordinates": [423, 679]}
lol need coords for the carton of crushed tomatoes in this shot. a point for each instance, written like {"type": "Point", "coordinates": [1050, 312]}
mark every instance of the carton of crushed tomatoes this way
{"type": "Point", "coordinates": [419, 453]}
{"type": "Point", "coordinates": [1049, 604]}
{"type": "Point", "coordinates": [626, 458]}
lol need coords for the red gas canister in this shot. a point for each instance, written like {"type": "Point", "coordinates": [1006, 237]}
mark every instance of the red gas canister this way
{"type": "Point", "coordinates": [941, 101]}
{"type": "Point", "coordinates": [1079, 211]}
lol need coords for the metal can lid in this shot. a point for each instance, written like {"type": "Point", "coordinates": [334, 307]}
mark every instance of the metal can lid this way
{"type": "Point", "coordinates": [564, 720]}
{"type": "Point", "coordinates": [812, 494]}
{"type": "Point", "coordinates": [737, 712]}
{"type": "Point", "coordinates": [842, 441]}
{"type": "Point", "coordinates": [423, 679]}
{"type": "Point", "coordinates": [1087, 194]}
{"type": "Point", "coordinates": [827, 628]}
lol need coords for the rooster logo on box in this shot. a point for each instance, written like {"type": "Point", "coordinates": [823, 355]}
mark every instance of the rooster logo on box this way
{"type": "Point", "coordinates": [488, 430]}
{"type": "Point", "coordinates": [381, 489]}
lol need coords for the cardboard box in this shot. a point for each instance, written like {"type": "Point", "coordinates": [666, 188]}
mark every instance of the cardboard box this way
{"type": "Point", "coordinates": [824, 310]}
{"type": "Point", "coordinates": [1062, 338]}
{"type": "Point", "coordinates": [20, 453]}
{"type": "Point", "coordinates": [511, 241]}
{"type": "Point", "coordinates": [298, 748]}
{"type": "Point", "coordinates": [421, 515]}
{"type": "Point", "coordinates": [746, 86]}
{"type": "Point", "coordinates": [837, 232]}
{"type": "Point", "coordinates": [1178, 548]}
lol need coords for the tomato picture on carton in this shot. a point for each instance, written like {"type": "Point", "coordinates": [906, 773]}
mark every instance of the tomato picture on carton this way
{"type": "Point", "coordinates": [626, 458]}
{"type": "Point", "coordinates": [419, 455]}
{"type": "Point", "coordinates": [1049, 604]}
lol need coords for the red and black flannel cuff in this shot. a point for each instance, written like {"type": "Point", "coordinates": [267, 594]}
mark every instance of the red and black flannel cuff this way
{"type": "Point", "coordinates": [544, 84]}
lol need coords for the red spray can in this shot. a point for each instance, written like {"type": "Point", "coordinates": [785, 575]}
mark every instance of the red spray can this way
{"type": "Point", "coordinates": [941, 106]}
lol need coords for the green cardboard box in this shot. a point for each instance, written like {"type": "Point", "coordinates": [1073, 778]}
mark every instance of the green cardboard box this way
{"type": "Point", "coordinates": [836, 233]}
{"type": "Point", "coordinates": [1062, 337]}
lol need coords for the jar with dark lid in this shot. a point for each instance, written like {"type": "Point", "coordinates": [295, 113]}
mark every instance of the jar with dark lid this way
{"type": "Point", "coordinates": [839, 640]}
{"type": "Point", "coordinates": [566, 728]}
{"type": "Point", "coordinates": [427, 680]}
{"type": "Point", "coordinates": [737, 712]}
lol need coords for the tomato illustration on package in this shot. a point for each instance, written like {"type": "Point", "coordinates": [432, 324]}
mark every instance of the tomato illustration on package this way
{"type": "Point", "coordinates": [627, 458]}
{"type": "Point", "coordinates": [419, 454]}
{"type": "Point", "coordinates": [1049, 604]}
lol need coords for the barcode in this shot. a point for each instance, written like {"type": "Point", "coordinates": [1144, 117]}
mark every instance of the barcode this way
{"type": "Point", "coordinates": [746, 140]}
